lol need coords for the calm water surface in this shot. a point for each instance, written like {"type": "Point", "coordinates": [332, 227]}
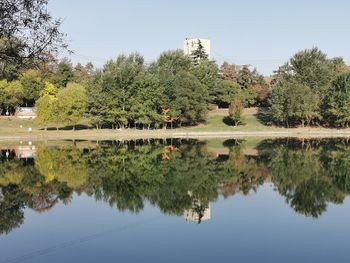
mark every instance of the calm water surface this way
{"type": "Point", "coordinates": [175, 201]}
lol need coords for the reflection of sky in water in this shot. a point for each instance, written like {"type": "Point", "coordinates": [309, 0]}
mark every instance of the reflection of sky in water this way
{"type": "Point", "coordinates": [256, 228]}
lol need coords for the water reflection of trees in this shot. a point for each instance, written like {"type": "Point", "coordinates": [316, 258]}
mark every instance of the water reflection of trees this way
{"type": "Point", "coordinates": [174, 176]}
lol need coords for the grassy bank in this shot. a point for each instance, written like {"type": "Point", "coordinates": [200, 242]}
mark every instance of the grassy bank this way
{"type": "Point", "coordinates": [214, 127]}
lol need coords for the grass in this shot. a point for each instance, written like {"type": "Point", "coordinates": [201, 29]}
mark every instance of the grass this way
{"type": "Point", "coordinates": [16, 128]}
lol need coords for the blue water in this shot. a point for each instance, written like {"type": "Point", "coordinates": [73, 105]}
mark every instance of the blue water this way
{"type": "Point", "coordinates": [259, 227]}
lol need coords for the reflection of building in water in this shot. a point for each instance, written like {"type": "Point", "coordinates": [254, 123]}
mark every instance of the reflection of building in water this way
{"type": "Point", "coordinates": [198, 213]}
{"type": "Point", "coordinates": [25, 151]}
{"type": "Point", "coordinates": [20, 152]}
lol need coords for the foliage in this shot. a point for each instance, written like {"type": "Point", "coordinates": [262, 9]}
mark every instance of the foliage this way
{"type": "Point", "coordinates": [11, 95]}
{"type": "Point", "coordinates": [338, 101]}
{"type": "Point", "coordinates": [32, 85]}
{"type": "Point", "coordinates": [28, 34]}
{"type": "Point", "coordinates": [71, 104]}
{"type": "Point", "coordinates": [46, 110]}
{"type": "Point", "coordinates": [199, 54]}
{"type": "Point", "coordinates": [235, 111]}
{"type": "Point", "coordinates": [207, 72]}
{"type": "Point", "coordinates": [229, 72]}
{"type": "Point", "coordinates": [300, 88]}
{"type": "Point", "coordinates": [64, 74]}
{"type": "Point", "coordinates": [226, 92]}
{"type": "Point", "coordinates": [292, 102]}
{"type": "Point", "coordinates": [188, 99]}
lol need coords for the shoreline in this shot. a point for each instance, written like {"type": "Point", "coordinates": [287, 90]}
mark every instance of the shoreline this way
{"type": "Point", "coordinates": [148, 134]}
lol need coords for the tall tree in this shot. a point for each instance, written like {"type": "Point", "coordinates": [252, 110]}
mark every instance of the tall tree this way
{"type": "Point", "coordinates": [199, 54]}
{"type": "Point", "coordinates": [338, 101]}
{"type": "Point", "coordinates": [32, 85]}
{"type": "Point", "coordinates": [64, 74]}
{"type": "Point", "coordinates": [117, 79]}
{"type": "Point", "coordinates": [71, 104]}
{"type": "Point", "coordinates": [188, 99]}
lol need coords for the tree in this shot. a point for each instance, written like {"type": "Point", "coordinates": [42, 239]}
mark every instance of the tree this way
{"type": "Point", "coordinates": [49, 89]}
{"type": "Point", "coordinates": [338, 101]}
{"type": "Point", "coordinates": [235, 111]}
{"type": "Point", "coordinates": [247, 78]}
{"type": "Point", "coordinates": [81, 74]}
{"type": "Point", "coordinates": [187, 99]}
{"type": "Point", "coordinates": [311, 67]}
{"type": "Point", "coordinates": [199, 54]}
{"type": "Point", "coordinates": [292, 102]}
{"type": "Point", "coordinates": [147, 101]}
{"type": "Point", "coordinates": [229, 72]}
{"type": "Point", "coordinates": [309, 75]}
{"type": "Point", "coordinates": [207, 72]}
{"type": "Point", "coordinates": [11, 95]}
{"type": "Point", "coordinates": [64, 74]}
{"type": "Point", "coordinates": [32, 85]}
{"type": "Point", "coordinates": [169, 64]}
{"type": "Point", "coordinates": [226, 92]}
{"type": "Point", "coordinates": [29, 26]}
{"type": "Point", "coordinates": [46, 110]}
{"type": "Point", "coordinates": [117, 79]}
{"type": "Point", "coordinates": [71, 104]}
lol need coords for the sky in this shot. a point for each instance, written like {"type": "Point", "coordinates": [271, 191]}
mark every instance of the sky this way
{"type": "Point", "coordinates": [264, 34]}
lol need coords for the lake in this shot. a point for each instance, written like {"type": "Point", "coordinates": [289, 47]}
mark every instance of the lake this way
{"type": "Point", "coordinates": [272, 200]}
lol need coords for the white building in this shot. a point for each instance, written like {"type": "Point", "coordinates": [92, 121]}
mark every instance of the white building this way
{"type": "Point", "coordinates": [198, 213]}
{"type": "Point", "coordinates": [191, 45]}
{"type": "Point", "coordinates": [25, 113]}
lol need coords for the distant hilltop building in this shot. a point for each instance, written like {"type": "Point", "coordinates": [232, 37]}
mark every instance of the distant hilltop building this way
{"type": "Point", "coordinates": [191, 45]}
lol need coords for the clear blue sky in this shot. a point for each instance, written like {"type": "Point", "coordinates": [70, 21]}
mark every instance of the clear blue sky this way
{"type": "Point", "coordinates": [262, 33]}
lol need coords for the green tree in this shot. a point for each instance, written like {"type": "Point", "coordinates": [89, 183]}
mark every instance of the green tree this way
{"type": "Point", "coordinates": [117, 79]}
{"type": "Point", "coordinates": [188, 99]}
{"type": "Point", "coordinates": [11, 95]}
{"type": "Point", "coordinates": [207, 72]}
{"type": "Point", "coordinates": [64, 74]}
{"type": "Point", "coordinates": [32, 85]}
{"type": "Point", "coordinates": [148, 100]}
{"type": "Point", "coordinates": [199, 54]}
{"type": "Point", "coordinates": [71, 104]}
{"type": "Point", "coordinates": [46, 110]}
{"type": "Point", "coordinates": [338, 101]}
{"type": "Point", "coordinates": [292, 102]}
{"type": "Point", "coordinates": [226, 92]}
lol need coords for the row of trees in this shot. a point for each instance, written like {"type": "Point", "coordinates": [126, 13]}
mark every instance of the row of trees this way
{"type": "Point", "coordinates": [126, 92]}
{"type": "Point", "coordinates": [311, 89]}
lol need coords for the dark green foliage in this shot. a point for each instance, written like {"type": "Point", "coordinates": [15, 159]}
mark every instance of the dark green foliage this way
{"type": "Point", "coordinates": [129, 94]}
{"type": "Point", "coordinates": [300, 89]}
{"type": "Point", "coordinates": [188, 99]}
{"type": "Point", "coordinates": [226, 92]}
{"type": "Point", "coordinates": [64, 74]}
{"type": "Point", "coordinates": [293, 103]}
{"type": "Point", "coordinates": [338, 101]}
{"type": "Point", "coordinates": [199, 54]}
